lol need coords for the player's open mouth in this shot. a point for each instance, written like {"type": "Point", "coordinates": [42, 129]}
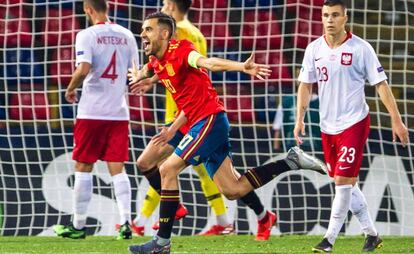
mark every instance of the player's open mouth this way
{"type": "Point", "coordinates": [145, 44]}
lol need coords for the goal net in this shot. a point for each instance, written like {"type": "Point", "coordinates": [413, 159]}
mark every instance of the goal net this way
{"type": "Point", "coordinates": [36, 123]}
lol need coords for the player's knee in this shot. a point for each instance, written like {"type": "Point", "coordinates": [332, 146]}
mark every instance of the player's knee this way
{"type": "Point", "coordinates": [359, 207]}
{"type": "Point", "coordinates": [143, 165]}
{"type": "Point", "coordinates": [84, 167]}
{"type": "Point", "coordinates": [231, 194]}
{"type": "Point", "coordinates": [167, 173]}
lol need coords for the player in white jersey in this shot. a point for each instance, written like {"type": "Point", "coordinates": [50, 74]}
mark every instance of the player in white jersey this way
{"type": "Point", "coordinates": [104, 52]}
{"type": "Point", "coordinates": [340, 63]}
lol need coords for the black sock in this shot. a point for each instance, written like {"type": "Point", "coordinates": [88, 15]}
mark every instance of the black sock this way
{"type": "Point", "coordinates": [262, 175]}
{"type": "Point", "coordinates": [253, 202]}
{"type": "Point", "coordinates": [154, 178]}
{"type": "Point", "coordinates": [168, 207]}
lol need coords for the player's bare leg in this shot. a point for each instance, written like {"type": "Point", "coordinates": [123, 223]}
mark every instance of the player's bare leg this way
{"type": "Point", "coordinates": [149, 160]}
{"type": "Point", "coordinates": [152, 155]}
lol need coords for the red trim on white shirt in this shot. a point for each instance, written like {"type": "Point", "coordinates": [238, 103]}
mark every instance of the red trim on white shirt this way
{"type": "Point", "coordinates": [348, 36]}
{"type": "Point", "coordinates": [103, 23]}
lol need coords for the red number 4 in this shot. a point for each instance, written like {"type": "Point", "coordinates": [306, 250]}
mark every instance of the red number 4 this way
{"type": "Point", "coordinates": [110, 71]}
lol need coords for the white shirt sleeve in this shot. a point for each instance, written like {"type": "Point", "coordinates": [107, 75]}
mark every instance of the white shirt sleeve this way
{"type": "Point", "coordinates": [307, 72]}
{"type": "Point", "coordinates": [278, 121]}
{"type": "Point", "coordinates": [83, 47]}
{"type": "Point", "coordinates": [373, 70]}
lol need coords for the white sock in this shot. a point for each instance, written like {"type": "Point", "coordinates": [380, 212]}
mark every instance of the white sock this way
{"type": "Point", "coordinates": [141, 220]}
{"type": "Point", "coordinates": [122, 188]}
{"type": "Point", "coordinates": [340, 207]}
{"type": "Point", "coordinates": [359, 208]}
{"type": "Point", "coordinates": [262, 215]}
{"type": "Point", "coordinates": [222, 220]}
{"type": "Point", "coordinates": [83, 194]}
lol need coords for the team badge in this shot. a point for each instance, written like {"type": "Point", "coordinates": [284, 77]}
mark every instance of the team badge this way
{"type": "Point", "coordinates": [346, 59]}
{"type": "Point", "coordinates": [170, 69]}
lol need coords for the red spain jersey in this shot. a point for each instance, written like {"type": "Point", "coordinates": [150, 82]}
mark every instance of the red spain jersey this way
{"type": "Point", "coordinates": [191, 88]}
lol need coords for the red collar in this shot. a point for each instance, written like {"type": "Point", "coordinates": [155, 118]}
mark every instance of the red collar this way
{"type": "Point", "coordinates": [103, 23]}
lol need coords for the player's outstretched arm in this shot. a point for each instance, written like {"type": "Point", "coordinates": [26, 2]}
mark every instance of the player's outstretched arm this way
{"type": "Point", "coordinates": [219, 64]}
{"type": "Point", "coordinates": [77, 79]}
{"type": "Point", "coordinates": [304, 95]}
{"type": "Point", "coordinates": [398, 127]}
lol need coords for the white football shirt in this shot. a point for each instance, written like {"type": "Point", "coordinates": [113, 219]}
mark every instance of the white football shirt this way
{"type": "Point", "coordinates": [110, 49]}
{"type": "Point", "coordinates": [341, 74]}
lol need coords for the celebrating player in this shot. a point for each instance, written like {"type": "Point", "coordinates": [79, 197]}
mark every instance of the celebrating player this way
{"type": "Point", "coordinates": [182, 70]}
{"type": "Point", "coordinates": [148, 160]}
{"type": "Point", "coordinates": [178, 9]}
{"type": "Point", "coordinates": [340, 62]}
{"type": "Point", "coordinates": [104, 52]}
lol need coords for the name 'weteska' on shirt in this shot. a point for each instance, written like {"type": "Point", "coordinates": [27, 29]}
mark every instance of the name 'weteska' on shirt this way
{"type": "Point", "coordinates": [111, 40]}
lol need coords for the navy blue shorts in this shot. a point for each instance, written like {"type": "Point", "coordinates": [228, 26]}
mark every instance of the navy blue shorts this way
{"type": "Point", "coordinates": [206, 142]}
{"type": "Point", "coordinates": [176, 139]}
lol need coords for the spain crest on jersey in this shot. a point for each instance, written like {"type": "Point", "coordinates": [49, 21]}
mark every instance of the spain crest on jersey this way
{"type": "Point", "coordinates": [346, 59]}
{"type": "Point", "coordinates": [170, 69]}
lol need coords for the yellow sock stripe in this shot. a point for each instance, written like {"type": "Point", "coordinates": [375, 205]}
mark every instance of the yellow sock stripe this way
{"type": "Point", "coordinates": [162, 197]}
{"type": "Point", "coordinates": [209, 121]}
{"type": "Point", "coordinates": [254, 178]}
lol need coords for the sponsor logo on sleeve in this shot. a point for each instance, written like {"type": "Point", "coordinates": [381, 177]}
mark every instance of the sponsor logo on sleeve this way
{"type": "Point", "coordinates": [79, 53]}
{"type": "Point", "coordinates": [346, 59]}
{"type": "Point", "coordinates": [380, 69]}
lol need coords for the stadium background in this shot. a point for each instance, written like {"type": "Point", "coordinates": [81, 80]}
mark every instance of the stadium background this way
{"type": "Point", "coordinates": [37, 59]}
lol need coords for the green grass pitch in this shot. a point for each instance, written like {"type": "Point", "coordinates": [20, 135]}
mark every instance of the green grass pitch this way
{"type": "Point", "coordinates": [197, 244]}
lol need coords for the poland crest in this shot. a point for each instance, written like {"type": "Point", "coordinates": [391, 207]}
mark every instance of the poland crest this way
{"type": "Point", "coordinates": [346, 59]}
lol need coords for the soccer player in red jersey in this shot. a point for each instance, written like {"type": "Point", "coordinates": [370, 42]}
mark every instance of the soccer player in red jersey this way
{"type": "Point", "coordinates": [149, 159]}
{"type": "Point", "coordinates": [183, 71]}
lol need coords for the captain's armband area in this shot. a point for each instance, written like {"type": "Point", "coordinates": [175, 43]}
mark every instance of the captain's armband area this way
{"type": "Point", "coordinates": [193, 57]}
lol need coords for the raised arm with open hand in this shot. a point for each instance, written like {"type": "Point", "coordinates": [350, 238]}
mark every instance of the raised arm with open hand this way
{"type": "Point", "coordinates": [260, 71]}
{"type": "Point", "coordinates": [140, 80]}
{"type": "Point", "coordinates": [249, 66]}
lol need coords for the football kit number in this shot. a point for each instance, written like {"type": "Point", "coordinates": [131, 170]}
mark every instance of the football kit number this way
{"type": "Point", "coordinates": [110, 71]}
